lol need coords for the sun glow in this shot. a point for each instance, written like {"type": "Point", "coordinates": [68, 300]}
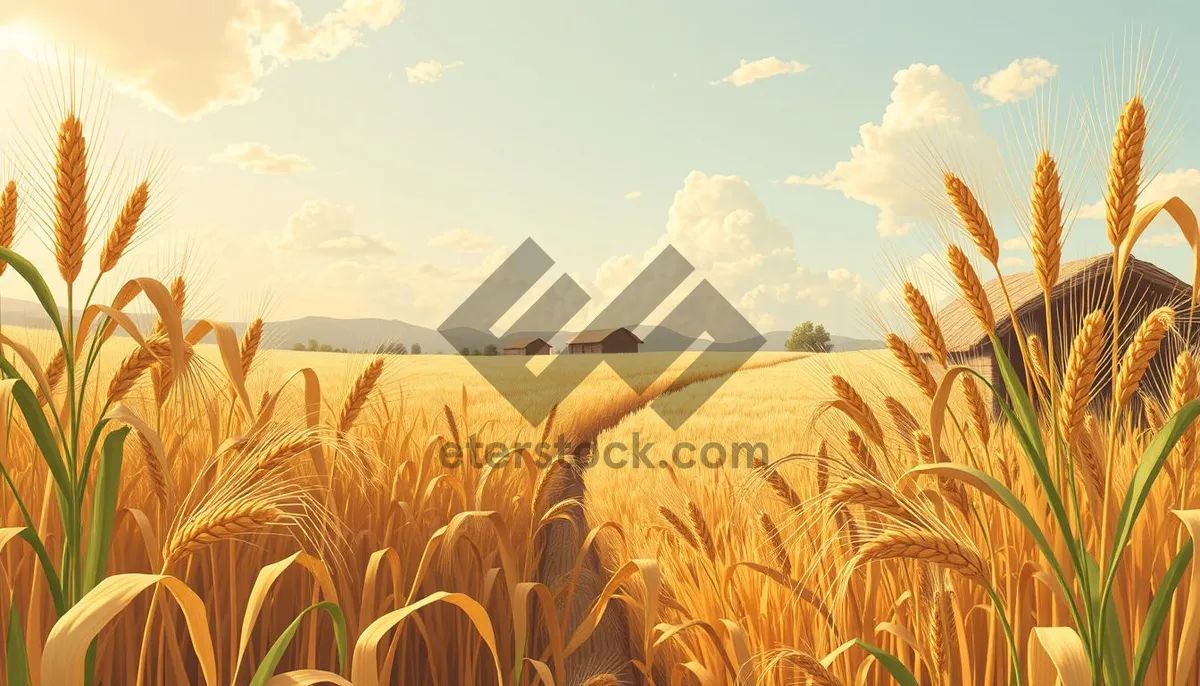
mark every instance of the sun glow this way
{"type": "Point", "coordinates": [24, 40]}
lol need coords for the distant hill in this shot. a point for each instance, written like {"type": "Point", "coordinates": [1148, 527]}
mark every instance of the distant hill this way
{"type": "Point", "coordinates": [368, 334]}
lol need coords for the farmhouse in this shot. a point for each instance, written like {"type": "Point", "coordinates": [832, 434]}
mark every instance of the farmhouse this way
{"type": "Point", "coordinates": [527, 346]}
{"type": "Point", "coordinates": [620, 340]}
{"type": "Point", "coordinates": [1083, 286]}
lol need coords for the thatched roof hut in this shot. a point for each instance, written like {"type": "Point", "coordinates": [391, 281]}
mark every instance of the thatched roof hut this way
{"type": "Point", "coordinates": [1083, 286]}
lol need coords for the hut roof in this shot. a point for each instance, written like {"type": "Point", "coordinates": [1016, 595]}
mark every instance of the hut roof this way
{"type": "Point", "coordinates": [522, 343]}
{"type": "Point", "coordinates": [963, 332]}
{"type": "Point", "coordinates": [598, 335]}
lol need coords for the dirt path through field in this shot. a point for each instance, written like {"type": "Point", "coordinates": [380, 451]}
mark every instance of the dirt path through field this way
{"type": "Point", "coordinates": [611, 646]}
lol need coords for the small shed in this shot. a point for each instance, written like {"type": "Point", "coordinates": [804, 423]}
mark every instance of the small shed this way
{"type": "Point", "coordinates": [1083, 286]}
{"type": "Point", "coordinates": [620, 340]}
{"type": "Point", "coordinates": [527, 346]}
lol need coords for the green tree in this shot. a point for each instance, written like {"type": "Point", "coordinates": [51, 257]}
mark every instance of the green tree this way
{"type": "Point", "coordinates": [415, 349]}
{"type": "Point", "coordinates": [490, 350]}
{"type": "Point", "coordinates": [465, 351]}
{"type": "Point", "coordinates": [809, 337]}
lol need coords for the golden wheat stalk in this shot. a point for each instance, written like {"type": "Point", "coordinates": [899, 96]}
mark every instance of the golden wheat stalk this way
{"type": "Point", "coordinates": [231, 520]}
{"type": "Point", "coordinates": [973, 218]}
{"type": "Point", "coordinates": [55, 369]}
{"type": "Point", "coordinates": [980, 416]}
{"type": "Point", "coordinates": [124, 227]}
{"type": "Point", "coordinates": [926, 323]}
{"type": "Point", "coordinates": [279, 454]}
{"type": "Point", "coordinates": [862, 413]}
{"type": "Point", "coordinates": [1046, 211]}
{"type": "Point", "coordinates": [1125, 169]}
{"type": "Point", "coordinates": [971, 288]}
{"type": "Point", "coordinates": [822, 467]}
{"type": "Point", "coordinates": [1081, 371]}
{"type": "Point", "coordinates": [902, 419]}
{"type": "Point", "coordinates": [703, 534]}
{"type": "Point", "coordinates": [135, 364]}
{"type": "Point", "coordinates": [941, 633]}
{"type": "Point", "coordinates": [778, 484]}
{"type": "Point", "coordinates": [678, 525]}
{"type": "Point", "coordinates": [70, 199]}
{"type": "Point", "coordinates": [1141, 351]}
{"type": "Point", "coordinates": [872, 495]}
{"type": "Point", "coordinates": [929, 547]}
{"type": "Point", "coordinates": [8, 219]}
{"type": "Point", "coordinates": [1037, 358]}
{"type": "Point", "coordinates": [356, 399]}
{"type": "Point", "coordinates": [248, 347]}
{"type": "Point", "coordinates": [1088, 457]}
{"type": "Point", "coordinates": [912, 363]}
{"type": "Point", "coordinates": [156, 470]}
{"type": "Point", "coordinates": [775, 540]}
{"type": "Point", "coordinates": [861, 453]}
{"type": "Point", "coordinates": [1185, 387]}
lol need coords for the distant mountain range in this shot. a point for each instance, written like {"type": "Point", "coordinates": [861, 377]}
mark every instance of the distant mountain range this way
{"type": "Point", "coordinates": [369, 334]}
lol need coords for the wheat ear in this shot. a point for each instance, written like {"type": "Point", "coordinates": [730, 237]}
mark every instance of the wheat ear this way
{"type": "Point", "coordinates": [703, 534]}
{"type": "Point", "coordinates": [1046, 209]}
{"type": "Point", "coordinates": [917, 370]}
{"type": "Point", "coordinates": [926, 323]}
{"type": "Point", "coordinates": [70, 198]}
{"type": "Point", "coordinates": [980, 418]}
{"type": "Point", "coordinates": [55, 369]}
{"type": "Point", "coordinates": [929, 547]}
{"type": "Point", "coordinates": [973, 218]}
{"type": "Point", "coordinates": [8, 218]}
{"type": "Point", "coordinates": [863, 416]}
{"type": "Point", "coordinates": [1141, 351]}
{"type": "Point", "coordinates": [356, 399]}
{"type": "Point", "coordinates": [124, 227]}
{"type": "Point", "coordinates": [972, 289]}
{"type": "Point", "coordinates": [1081, 373]}
{"type": "Point", "coordinates": [248, 347]}
{"type": "Point", "coordinates": [1125, 169]}
{"type": "Point", "coordinates": [775, 540]}
{"type": "Point", "coordinates": [861, 453]}
{"type": "Point", "coordinates": [678, 525]}
{"type": "Point", "coordinates": [778, 484]}
{"type": "Point", "coordinates": [1037, 358]}
{"type": "Point", "coordinates": [237, 518]}
{"type": "Point", "coordinates": [868, 494]}
{"type": "Point", "coordinates": [1185, 387]}
{"type": "Point", "coordinates": [135, 364]}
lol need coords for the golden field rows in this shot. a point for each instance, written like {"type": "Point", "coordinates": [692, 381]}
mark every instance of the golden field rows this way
{"type": "Point", "coordinates": [182, 506]}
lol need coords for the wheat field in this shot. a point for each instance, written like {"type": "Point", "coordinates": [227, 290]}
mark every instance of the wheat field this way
{"type": "Point", "coordinates": [184, 505]}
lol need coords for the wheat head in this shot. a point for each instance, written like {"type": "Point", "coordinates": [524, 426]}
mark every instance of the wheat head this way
{"type": "Point", "coordinates": [863, 415]}
{"type": "Point", "coordinates": [1047, 221]}
{"type": "Point", "coordinates": [929, 547]}
{"type": "Point", "coordinates": [775, 540]}
{"type": "Point", "coordinates": [917, 370]}
{"type": "Point", "coordinates": [973, 218]}
{"type": "Point", "coordinates": [1125, 169]}
{"type": "Point", "coordinates": [124, 227]}
{"type": "Point", "coordinates": [231, 520]}
{"type": "Point", "coordinates": [926, 323]}
{"type": "Point", "coordinates": [8, 218]}
{"type": "Point", "coordinates": [135, 364]}
{"type": "Point", "coordinates": [1081, 373]}
{"type": "Point", "coordinates": [971, 288]}
{"type": "Point", "coordinates": [356, 399]}
{"type": "Point", "coordinates": [248, 346]}
{"type": "Point", "coordinates": [1141, 351]}
{"type": "Point", "coordinates": [70, 198]}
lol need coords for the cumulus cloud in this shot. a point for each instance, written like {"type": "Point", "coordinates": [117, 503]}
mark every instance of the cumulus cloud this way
{"type": "Point", "coordinates": [260, 159]}
{"type": "Point", "coordinates": [322, 228]}
{"type": "Point", "coordinates": [721, 226]}
{"type": "Point", "coordinates": [462, 240]}
{"type": "Point", "coordinates": [1019, 80]}
{"type": "Point", "coordinates": [189, 58]}
{"type": "Point", "coordinates": [428, 71]}
{"type": "Point", "coordinates": [749, 72]}
{"type": "Point", "coordinates": [928, 109]}
{"type": "Point", "coordinates": [633, 195]}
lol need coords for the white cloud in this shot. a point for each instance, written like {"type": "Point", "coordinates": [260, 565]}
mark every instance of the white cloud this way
{"type": "Point", "coordinates": [928, 109]}
{"type": "Point", "coordinates": [1017, 243]}
{"type": "Point", "coordinates": [1164, 239]}
{"type": "Point", "coordinates": [633, 195]}
{"type": "Point", "coordinates": [721, 226]}
{"type": "Point", "coordinates": [749, 72]}
{"type": "Point", "coordinates": [322, 228]}
{"type": "Point", "coordinates": [260, 159]}
{"type": "Point", "coordinates": [1019, 80]}
{"type": "Point", "coordinates": [428, 71]}
{"type": "Point", "coordinates": [189, 58]}
{"type": "Point", "coordinates": [462, 240]}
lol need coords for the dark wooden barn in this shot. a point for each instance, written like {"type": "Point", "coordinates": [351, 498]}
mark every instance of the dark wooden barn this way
{"type": "Point", "coordinates": [620, 340]}
{"type": "Point", "coordinates": [1083, 286]}
{"type": "Point", "coordinates": [527, 346]}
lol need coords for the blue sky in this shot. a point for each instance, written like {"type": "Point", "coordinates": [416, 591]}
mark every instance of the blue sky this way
{"type": "Point", "coordinates": [378, 196]}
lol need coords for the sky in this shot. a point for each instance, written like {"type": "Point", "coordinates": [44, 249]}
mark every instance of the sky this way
{"type": "Point", "coordinates": [377, 158]}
